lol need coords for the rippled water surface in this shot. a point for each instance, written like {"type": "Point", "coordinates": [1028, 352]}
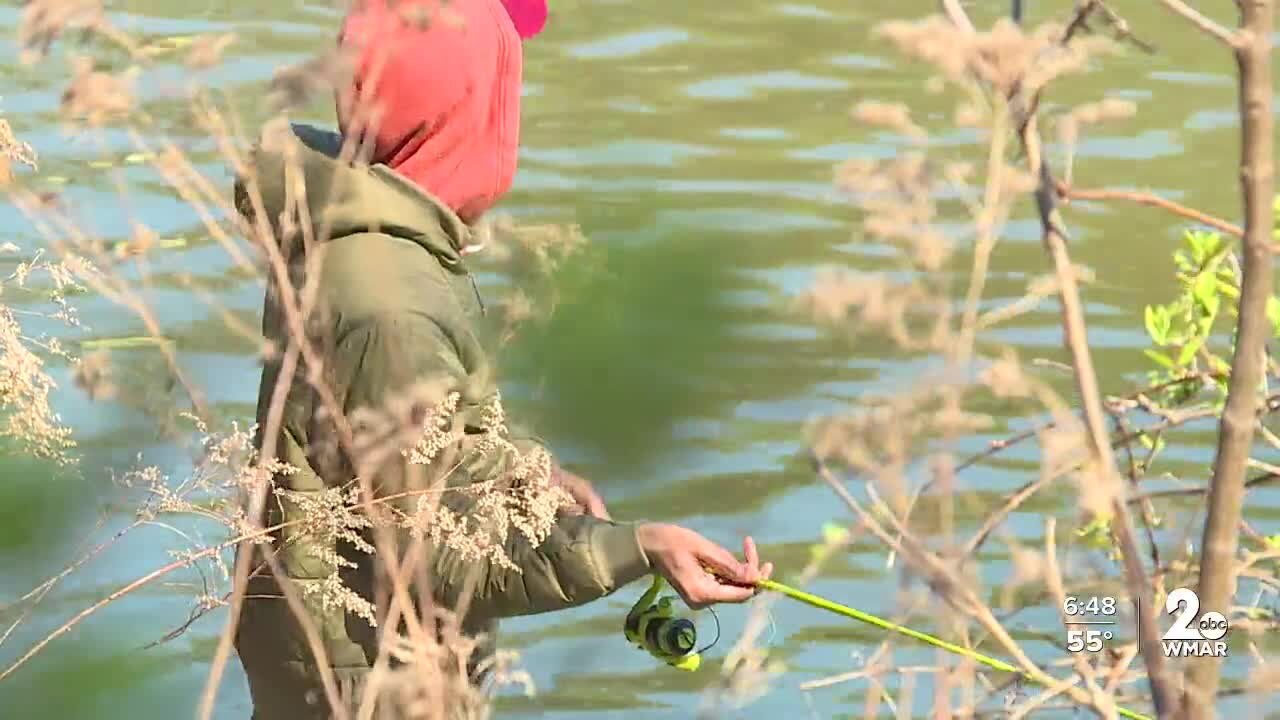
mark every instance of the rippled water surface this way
{"type": "Point", "coordinates": [694, 143]}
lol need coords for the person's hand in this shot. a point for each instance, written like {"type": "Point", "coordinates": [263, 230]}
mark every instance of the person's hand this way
{"type": "Point", "coordinates": [585, 498]}
{"type": "Point", "coordinates": [702, 572]}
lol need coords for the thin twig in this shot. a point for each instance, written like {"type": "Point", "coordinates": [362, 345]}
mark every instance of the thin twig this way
{"type": "Point", "coordinates": [1053, 578]}
{"type": "Point", "coordinates": [1260, 480]}
{"type": "Point", "coordinates": [121, 592]}
{"type": "Point", "coordinates": [1068, 192]}
{"type": "Point", "coordinates": [995, 447]}
{"type": "Point", "coordinates": [956, 14]}
{"type": "Point", "coordinates": [1147, 511]}
{"type": "Point", "coordinates": [942, 580]}
{"type": "Point", "coordinates": [1074, 329]}
{"type": "Point", "coordinates": [184, 562]}
{"type": "Point", "coordinates": [315, 643]}
{"type": "Point", "coordinates": [80, 562]}
{"type": "Point", "coordinates": [43, 589]}
{"type": "Point", "coordinates": [1202, 22]}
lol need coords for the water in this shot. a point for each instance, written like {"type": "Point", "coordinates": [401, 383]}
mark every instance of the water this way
{"type": "Point", "coordinates": [695, 145]}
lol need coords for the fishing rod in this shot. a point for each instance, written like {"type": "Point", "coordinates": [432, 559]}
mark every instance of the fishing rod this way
{"type": "Point", "coordinates": [654, 626]}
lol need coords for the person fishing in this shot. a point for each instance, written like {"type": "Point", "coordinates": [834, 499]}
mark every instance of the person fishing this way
{"type": "Point", "coordinates": [433, 105]}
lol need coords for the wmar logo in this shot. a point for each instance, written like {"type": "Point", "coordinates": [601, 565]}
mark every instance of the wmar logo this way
{"type": "Point", "coordinates": [1191, 636]}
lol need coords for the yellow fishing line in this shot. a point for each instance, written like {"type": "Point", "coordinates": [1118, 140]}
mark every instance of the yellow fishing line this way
{"type": "Point", "coordinates": [855, 614]}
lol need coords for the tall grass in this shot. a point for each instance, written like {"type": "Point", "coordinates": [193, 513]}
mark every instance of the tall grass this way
{"type": "Point", "coordinates": [884, 459]}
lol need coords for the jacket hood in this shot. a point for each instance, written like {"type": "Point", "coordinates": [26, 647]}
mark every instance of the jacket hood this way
{"type": "Point", "coordinates": [343, 198]}
{"type": "Point", "coordinates": [435, 93]}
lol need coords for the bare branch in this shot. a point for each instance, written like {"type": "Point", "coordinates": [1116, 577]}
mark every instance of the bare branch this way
{"type": "Point", "coordinates": [956, 14]}
{"type": "Point", "coordinates": [1075, 334]}
{"type": "Point", "coordinates": [1151, 200]}
{"type": "Point", "coordinates": [1073, 324]}
{"type": "Point", "coordinates": [943, 580]}
{"type": "Point", "coordinates": [1236, 430]}
{"type": "Point", "coordinates": [1205, 24]}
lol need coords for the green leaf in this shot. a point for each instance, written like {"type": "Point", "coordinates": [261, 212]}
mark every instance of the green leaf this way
{"type": "Point", "coordinates": [1160, 358]}
{"type": "Point", "coordinates": [1211, 306]}
{"type": "Point", "coordinates": [1149, 320]}
{"type": "Point", "coordinates": [1188, 351]}
{"type": "Point", "coordinates": [1191, 240]}
{"type": "Point", "coordinates": [834, 534]}
{"type": "Point", "coordinates": [1097, 534]}
{"type": "Point", "coordinates": [1204, 290]}
{"type": "Point", "coordinates": [1273, 314]}
{"type": "Point", "coordinates": [1203, 327]}
{"type": "Point", "coordinates": [1158, 321]}
{"type": "Point", "coordinates": [1157, 447]}
{"type": "Point", "coordinates": [1154, 443]}
{"type": "Point", "coordinates": [1258, 613]}
{"type": "Point", "coordinates": [1204, 246]}
{"type": "Point", "coordinates": [1228, 288]}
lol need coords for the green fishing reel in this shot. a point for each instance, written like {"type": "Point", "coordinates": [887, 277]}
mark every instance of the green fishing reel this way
{"type": "Point", "coordinates": [653, 626]}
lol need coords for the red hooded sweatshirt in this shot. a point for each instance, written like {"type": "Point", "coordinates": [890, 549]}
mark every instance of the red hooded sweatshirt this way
{"type": "Point", "coordinates": [436, 89]}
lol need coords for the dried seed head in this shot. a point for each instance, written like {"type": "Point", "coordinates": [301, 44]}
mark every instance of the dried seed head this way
{"type": "Point", "coordinates": [97, 97]}
{"type": "Point", "coordinates": [1028, 564]}
{"type": "Point", "coordinates": [142, 241]}
{"type": "Point", "coordinates": [955, 422]}
{"type": "Point", "coordinates": [1005, 56]}
{"type": "Point", "coordinates": [293, 86]}
{"type": "Point", "coordinates": [44, 21]}
{"type": "Point", "coordinates": [969, 115]}
{"type": "Point", "coordinates": [1005, 377]}
{"type": "Point", "coordinates": [1265, 679]}
{"type": "Point", "coordinates": [932, 249]}
{"type": "Point", "coordinates": [26, 415]}
{"type": "Point", "coordinates": [1018, 181]}
{"type": "Point", "coordinates": [1068, 130]}
{"type": "Point", "coordinates": [958, 173]}
{"type": "Point", "coordinates": [206, 52]}
{"type": "Point", "coordinates": [1103, 111]}
{"type": "Point", "coordinates": [92, 374]}
{"type": "Point", "coordinates": [13, 150]}
{"type": "Point", "coordinates": [895, 116]}
{"type": "Point", "coordinates": [1099, 490]}
{"type": "Point", "coordinates": [933, 40]}
{"type": "Point", "coordinates": [1062, 446]}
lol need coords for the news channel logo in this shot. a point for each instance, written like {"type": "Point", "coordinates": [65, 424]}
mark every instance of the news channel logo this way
{"type": "Point", "coordinates": [1193, 634]}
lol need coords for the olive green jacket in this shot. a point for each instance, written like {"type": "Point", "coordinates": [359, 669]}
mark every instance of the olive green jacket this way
{"type": "Point", "coordinates": [394, 305]}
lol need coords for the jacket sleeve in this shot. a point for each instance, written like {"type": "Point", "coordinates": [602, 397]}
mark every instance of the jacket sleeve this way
{"type": "Point", "coordinates": [583, 558]}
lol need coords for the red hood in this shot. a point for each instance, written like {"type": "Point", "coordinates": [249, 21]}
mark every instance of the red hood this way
{"type": "Point", "coordinates": [440, 99]}
{"type": "Point", "coordinates": [529, 16]}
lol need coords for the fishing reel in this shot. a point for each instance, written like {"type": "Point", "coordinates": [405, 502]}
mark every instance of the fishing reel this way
{"type": "Point", "coordinates": [653, 626]}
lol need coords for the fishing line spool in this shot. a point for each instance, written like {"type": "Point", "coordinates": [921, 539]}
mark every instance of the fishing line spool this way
{"type": "Point", "coordinates": [653, 626]}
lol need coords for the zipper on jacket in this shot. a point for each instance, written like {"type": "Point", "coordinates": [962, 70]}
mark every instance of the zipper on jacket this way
{"type": "Point", "coordinates": [475, 287]}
